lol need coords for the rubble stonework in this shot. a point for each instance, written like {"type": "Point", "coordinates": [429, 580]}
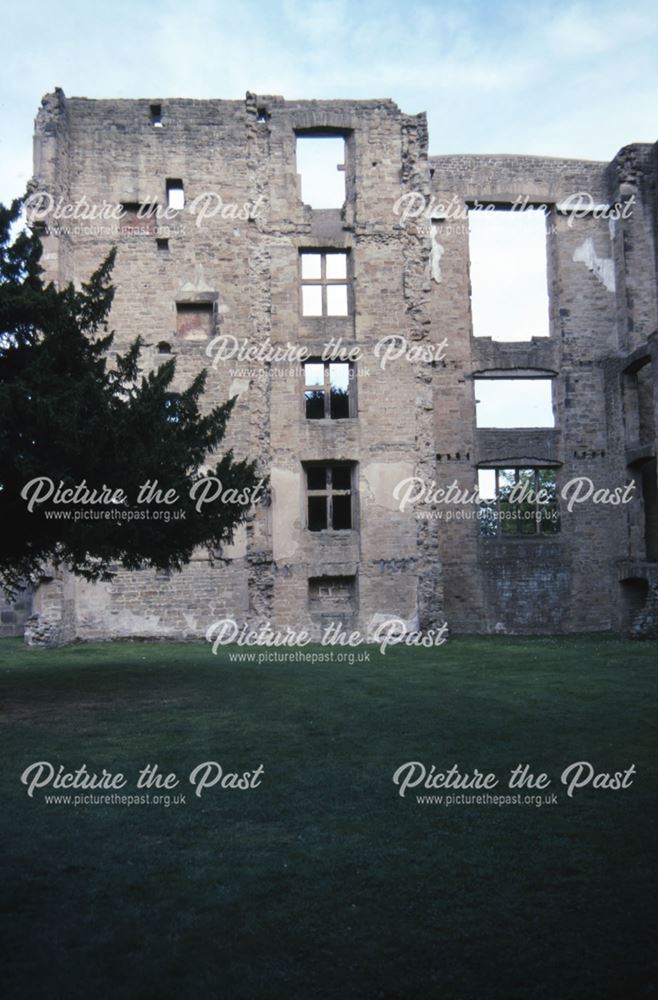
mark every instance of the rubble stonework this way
{"type": "Point", "coordinates": [413, 418]}
{"type": "Point", "coordinates": [645, 626]}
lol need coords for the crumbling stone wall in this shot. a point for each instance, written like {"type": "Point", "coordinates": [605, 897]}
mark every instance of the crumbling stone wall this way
{"type": "Point", "coordinates": [110, 151]}
{"type": "Point", "coordinates": [645, 625]}
{"type": "Point", "coordinates": [570, 581]}
{"type": "Point", "coordinates": [53, 621]}
{"type": "Point", "coordinates": [412, 418]}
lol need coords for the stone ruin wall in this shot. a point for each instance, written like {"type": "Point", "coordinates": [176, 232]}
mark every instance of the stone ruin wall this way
{"type": "Point", "coordinates": [413, 418]}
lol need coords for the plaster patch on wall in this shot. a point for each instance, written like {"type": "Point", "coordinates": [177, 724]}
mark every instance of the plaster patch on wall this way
{"type": "Point", "coordinates": [602, 267]}
{"type": "Point", "coordinates": [286, 487]}
{"type": "Point", "coordinates": [238, 386]}
{"type": "Point", "coordinates": [124, 622]}
{"type": "Point", "coordinates": [198, 283]}
{"type": "Point", "coordinates": [381, 618]}
{"type": "Point", "coordinates": [436, 253]}
{"type": "Point", "coordinates": [236, 549]}
{"type": "Point", "coordinates": [379, 479]}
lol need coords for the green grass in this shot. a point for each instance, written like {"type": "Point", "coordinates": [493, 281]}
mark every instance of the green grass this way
{"type": "Point", "coordinates": [324, 882]}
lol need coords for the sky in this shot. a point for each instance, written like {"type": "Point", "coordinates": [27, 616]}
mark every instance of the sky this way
{"type": "Point", "coordinates": [574, 79]}
{"type": "Point", "coordinates": [558, 79]}
{"type": "Point", "coordinates": [508, 264]}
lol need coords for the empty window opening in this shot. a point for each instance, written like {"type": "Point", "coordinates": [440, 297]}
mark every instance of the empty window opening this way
{"type": "Point", "coordinates": [631, 402]}
{"type": "Point", "coordinates": [175, 193]}
{"type": "Point", "coordinates": [646, 404]}
{"type": "Point", "coordinates": [138, 219]}
{"type": "Point", "coordinates": [164, 347]}
{"type": "Point", "coordinates": [162, 244]}
{"type": "Point", "coordinates": [262, 115]}
{"type": "Point", "coordinates": [324, 282]}
{"type": "Point", "coordinates": [156, 115]}
{"type": "Point", "coordinates": [174, 407]}
{"type": "Point", "coordinates": [509, 289]}
{"type": "Point", "coordinates": [194, 320]}
{"type": "Point", "coordinates": [649, 481]}
{"type": "Point", "coordinates": [329, 496]}
{"type": "Point", "coordinates": [327, 390]}
{"type": "Point", "coordinates": [634, 593]}
{"type": "Point", "coordinates": [639, 407]}
{"type": "Point", "coordinates": [518, 501]}
{"type": "Point", "coordinates": [321, 165]}
{"type": "Point", "coordinates": [514, 402]}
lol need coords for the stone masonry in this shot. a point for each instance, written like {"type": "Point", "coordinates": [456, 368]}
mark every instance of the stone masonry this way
{"type": "Point", "coordinates": [237, 276]}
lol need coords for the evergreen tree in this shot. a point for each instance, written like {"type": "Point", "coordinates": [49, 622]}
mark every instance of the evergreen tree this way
{"type": "Point", "coordinates": [67, 417]}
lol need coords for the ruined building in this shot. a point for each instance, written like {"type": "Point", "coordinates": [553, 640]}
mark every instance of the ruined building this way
{"type": "Point", "coordinates": [244, 255]}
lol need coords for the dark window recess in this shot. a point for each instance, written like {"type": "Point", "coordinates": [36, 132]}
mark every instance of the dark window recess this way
{"type": "Point", "coordinates": [340, 405]}
{"type": "Point", "coordinates": [156, 115]}
{"type": "Point", "coordinates": [342, 513]}
{"type": "Point", "coordinates": [194, 320]}
{"type": "Point", "coordinates": [316, 477]}
{"type": "Point", "coordinates": [162, 244]}
{"type": "Point", "coordinates": [633, 596]}
{"type": "Point", "coordinates": [314, 404]}
{"type": "Point", "coordinates": [329, 494]}
{"type": "Point", "coordinates": [138, 219]}
{"type": "Point", "coordinates": [327, 389]}
{"type": "Point", "coordinates": [650, 498]}
{"type": "Point", "coordinates": [164, 347]}
{"type": "Point", "coordinates": [341, 477]}
{"type": "Point", "coordinates": [317, 513]}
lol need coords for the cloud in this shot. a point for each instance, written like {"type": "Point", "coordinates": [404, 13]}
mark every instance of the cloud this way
{"type": "Point", "coordinates": [507, 77]}
{"type": "Point", "coordinates": [581, 32]}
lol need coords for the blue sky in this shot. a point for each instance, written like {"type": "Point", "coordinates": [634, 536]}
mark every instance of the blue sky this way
{"type": "Point", "coordinates": [560, 79]}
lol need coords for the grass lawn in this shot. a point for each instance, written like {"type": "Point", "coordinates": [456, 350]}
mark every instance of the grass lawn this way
{"type": "Point", "coordinates": [324, 881]}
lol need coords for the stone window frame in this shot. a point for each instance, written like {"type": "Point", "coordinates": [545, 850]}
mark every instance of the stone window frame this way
{"type": "Point", "coordinates": [323, 282]}
{"type": "Point", "coordinates": [329, 492]}
{"type": "Point", "coordinates": [487, 508]}
{"type": "Point", "coordinates": [326, 388]}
